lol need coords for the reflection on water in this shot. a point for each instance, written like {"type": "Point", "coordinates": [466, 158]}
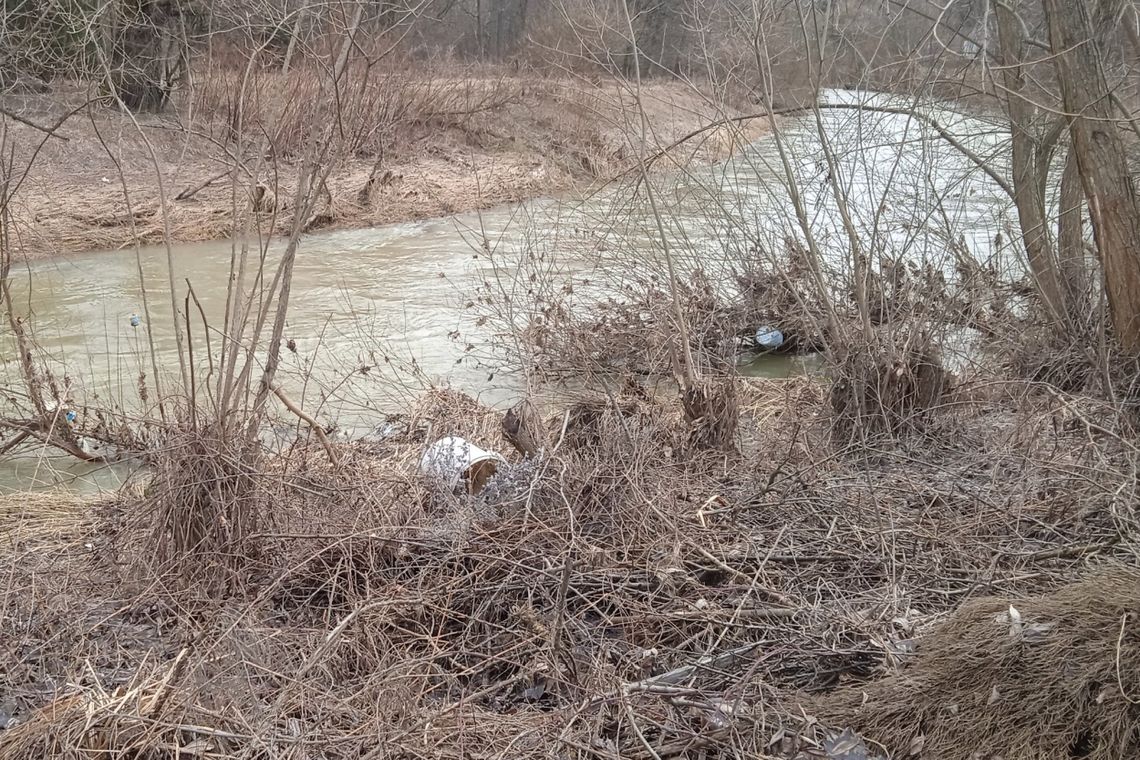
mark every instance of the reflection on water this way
{"type": "Point", "coordinates": [780, 366]}
{"type": "Point", "coordinates": [376, 315]}
{"type": "Point", "coordinates": [43, 470]}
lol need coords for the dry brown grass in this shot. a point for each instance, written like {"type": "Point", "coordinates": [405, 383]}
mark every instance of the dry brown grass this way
{"type": "Point", "coordinates": [41, 520]}
{"type": "Point", "coordinates": [376, 111]}
{"type": "Point", "coordinates": [1056, 675]}
{"type": "Point", "coordinates": [625, 594]}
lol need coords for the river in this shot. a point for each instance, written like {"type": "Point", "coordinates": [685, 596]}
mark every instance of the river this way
{"type": "Point", "coordinates": [378, 314]}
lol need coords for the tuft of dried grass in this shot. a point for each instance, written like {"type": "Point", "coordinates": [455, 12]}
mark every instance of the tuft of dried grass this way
{"type": "Point", "coordinates": [205, 499]}
{"type": "Point", "coordinates": [92, 722]}
{"type": "Point", "coordinates": [711, 407]}
{"type": "Point", "coordinates": [1056, 675]}
{"type": "Point", "coordinates": [44, 520]}
{"type": "Point", "coordinates": [887, 387]}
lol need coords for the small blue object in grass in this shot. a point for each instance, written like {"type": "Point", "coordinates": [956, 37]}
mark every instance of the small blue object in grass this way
{"type": "Point", "coordinates": [135, 321]}
{"type": "Point", "coordinates": [769, 338]}
{"type": "Point", "coordinates": [71, 415]}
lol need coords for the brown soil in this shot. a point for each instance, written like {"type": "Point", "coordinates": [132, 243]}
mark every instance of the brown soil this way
{"type": "Point", "coordinates": [550, 136]}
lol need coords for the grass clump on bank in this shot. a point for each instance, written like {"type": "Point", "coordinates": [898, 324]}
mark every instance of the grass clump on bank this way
{"type": "Point", "coordinates": [1053, 676]}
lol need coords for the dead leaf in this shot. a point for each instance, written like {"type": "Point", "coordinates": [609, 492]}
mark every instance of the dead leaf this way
{"type": "Point", "coordinates": [1015, 627]}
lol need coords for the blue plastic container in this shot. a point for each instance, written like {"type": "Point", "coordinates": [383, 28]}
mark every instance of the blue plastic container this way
{"type": "Point", "coordinates": [769, 338]}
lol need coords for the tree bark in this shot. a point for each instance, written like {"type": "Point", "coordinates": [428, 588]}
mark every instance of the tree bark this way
{"type": "Point", "coordinates": [1101, 161]}
{"type": "Point", "coordinates": [298, 29]}
{"type": "Point", "coordinates": [1028, 171]}
{"type": "Point", "coordinates": [1071, 236]}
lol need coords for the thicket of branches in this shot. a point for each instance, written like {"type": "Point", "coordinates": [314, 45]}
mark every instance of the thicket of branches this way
{"type": "Point", "coordinates": [658, 575]}
{"type": "Point", "coordinates": [1059, 75]}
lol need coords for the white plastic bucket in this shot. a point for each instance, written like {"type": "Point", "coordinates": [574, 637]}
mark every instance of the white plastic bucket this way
{"type": "Point", "coordinates": [452, 461]}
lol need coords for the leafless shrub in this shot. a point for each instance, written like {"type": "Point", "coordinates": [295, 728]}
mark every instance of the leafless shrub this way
{"type": "Point", "coordinates": [1041, 356]}
{"type": "Point", "coordinates": [589, 326]}
{"type": "Point", "coordinates": [640, 587]}
{"type": "Point", "coordinates": [613, 588]}
{"type": "Point", "coordinates": [374, 111]}
{"type": "Point", "coordinates": [887, 388]}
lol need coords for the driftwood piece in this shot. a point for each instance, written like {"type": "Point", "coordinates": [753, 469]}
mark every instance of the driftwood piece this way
{"type": "Point", "coordinates": [190, 192]}
{"type": "Point", "coordinates": [375, 180]}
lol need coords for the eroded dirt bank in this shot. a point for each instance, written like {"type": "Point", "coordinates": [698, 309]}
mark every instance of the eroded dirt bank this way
{"type": "Point", "coordinates": [481, 144]}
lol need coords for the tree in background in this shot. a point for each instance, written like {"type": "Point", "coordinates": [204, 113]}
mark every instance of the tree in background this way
{"type": "Point", "coordinates": [1081, 63]}
{"type": "Point", "coordinates": [660, 35]}
{"type": "Point", "coordinates": [138, 51]}
{"type": "Point", "coordinates": [144, 48]}
{"type": "Point", "coordinates": [1058, 72]}
{"type": "Point", "coordinates": [42, 39]}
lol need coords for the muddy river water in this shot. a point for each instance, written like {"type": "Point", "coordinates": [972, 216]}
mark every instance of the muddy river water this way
{"type": "Point", "coordinates": [378, 314]}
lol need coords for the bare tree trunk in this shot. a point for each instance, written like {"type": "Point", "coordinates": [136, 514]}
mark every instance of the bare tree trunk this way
{"type": "Point", "coordinates": [1071, 236]}
{"type": "Point", "coordinates": [479, 34]}
{"type": "Point", "coordinates": [1029, 171]}
{"type": "Point", "coordinates": [1102, 161]}
{"type": "Point", "coordinates": [146, 54]}
{"type": "Point", "coordinates": [349, 40]}
{"type": "Point", "coordinates": [298, 26]}
{"type": "Point", "coordinates": [109, 28]}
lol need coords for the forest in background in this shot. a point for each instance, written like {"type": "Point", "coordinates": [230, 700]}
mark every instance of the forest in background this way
{"type": "Point", "coordinates": [881, 44]}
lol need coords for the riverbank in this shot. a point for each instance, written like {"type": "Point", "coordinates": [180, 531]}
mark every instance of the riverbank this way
{"type": "Point", "coordinates": [633, 593]}
{"type": "Point", "coordinates": [470, 144]}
